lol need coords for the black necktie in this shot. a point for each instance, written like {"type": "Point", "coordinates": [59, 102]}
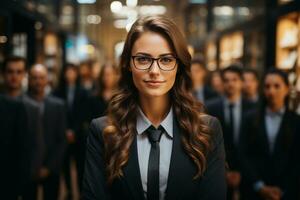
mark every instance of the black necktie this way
{"type": "Point", "coordinates": [231, 121]}
{"type": "Point", "coordinates": [154, 136]}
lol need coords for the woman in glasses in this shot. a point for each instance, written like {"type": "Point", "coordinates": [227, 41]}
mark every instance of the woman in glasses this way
{"type": "Point", "coordinates": [155, 143]}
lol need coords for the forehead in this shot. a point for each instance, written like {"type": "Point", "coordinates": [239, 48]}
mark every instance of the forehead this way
{"type": "Point", "coordinates": [273, 78]}
{"type": "Point", "coordinates": [39, 71]}
{"type": "Point", "coordinates": [231, 74]}
{"type": "Point", "coordinates": [151, 43]}
{"type": "Point", "coordinates": [15, 64]}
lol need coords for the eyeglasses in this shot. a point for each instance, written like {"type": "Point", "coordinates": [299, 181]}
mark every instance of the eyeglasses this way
{"type": "Point", "coordinates": [165, 63]}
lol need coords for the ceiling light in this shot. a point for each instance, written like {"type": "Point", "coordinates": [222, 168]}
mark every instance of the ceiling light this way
{"type": "Point", "coordinates": [131, 3]}
{"type": "Point", "coordinates": [116, 6]}
{"type": "Point", "coordinates": [86, 1]}
{"type": "Point", "coordinates": [93, 19]}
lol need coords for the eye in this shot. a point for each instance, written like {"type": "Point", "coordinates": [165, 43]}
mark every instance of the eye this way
{"type": "Point", "coordinates": [143, 59]}
{"type": "Point", "coordinates": [166, 60]}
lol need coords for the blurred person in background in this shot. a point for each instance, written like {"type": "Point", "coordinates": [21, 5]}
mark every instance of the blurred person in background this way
{"type": "Point", "coordinates": [75, 99]}
{"type": "Point", "coordinates": [216, 82]}
{"type": "Point", "coordinates": [251, 85]}
{"type": "Point", "coordinates": [14, 149]}
{"type": "Point", "coordinates": [14, 72]}
{"type": "Point", "coordinates": [231, 110]}
{"type": "Point", "coordinates": [86, 77]}
{"type": "Point", "coordinates": [107, 83]}
{"type": "Point", "coordinates": [201, 90]}
{"type": "Point", "coordinates": [272, 144]}
{"type": "Point", "coordinates": [50, 139]}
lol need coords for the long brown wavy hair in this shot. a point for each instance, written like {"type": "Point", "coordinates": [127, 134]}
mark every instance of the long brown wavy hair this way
{"type": "Point", "coordinates": [120, 132]}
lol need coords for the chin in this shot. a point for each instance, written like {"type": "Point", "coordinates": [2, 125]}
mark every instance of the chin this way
{"type": "Point", "coordinates": [152, 93]}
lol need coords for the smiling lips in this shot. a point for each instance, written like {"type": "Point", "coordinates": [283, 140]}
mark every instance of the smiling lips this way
{"type": "Point", "coordinates": [153, 83]}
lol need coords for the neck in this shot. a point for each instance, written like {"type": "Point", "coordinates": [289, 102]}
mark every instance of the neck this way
{"type": "Point", "coordinates": [71, 84]}
{"type": "Point", "coordinates": [233, 98]}
{"type": "Point", "coordinates": [107, 94]}
{"type": "Point", "coordinates": [13, 92]}
{"type": "Point", "coordinates": [155, 108]}
{"type": "Point", "coordinates": [198, 85]}
{"type": "Point", "coordinates": [252, 96]}
{"type": "Point", "coordinates": [38, 97]}
{"type": "Point", "coordinates": [276, 107]}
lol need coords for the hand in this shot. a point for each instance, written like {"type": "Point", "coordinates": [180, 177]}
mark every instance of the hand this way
{"type": "Point", "coordinates": [233, 178]}
{"type": "Point", "coordinates": [44, 172]}
{"type": "Point", "coordinates": [70, 136]}
{"type": "Point", "coordinates": [270, 193]}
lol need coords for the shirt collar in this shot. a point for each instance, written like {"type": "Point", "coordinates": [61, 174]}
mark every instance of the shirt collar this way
{"type": "Point", "coordinates": [277, 113]}
{"type": "Point", "coordinates": [236, 104]}
{"type": "Point", "coordinates": [143, 122]}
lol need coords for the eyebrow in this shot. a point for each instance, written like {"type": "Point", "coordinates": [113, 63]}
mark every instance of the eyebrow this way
{"type": "Point", "coordinates": [147, 54]}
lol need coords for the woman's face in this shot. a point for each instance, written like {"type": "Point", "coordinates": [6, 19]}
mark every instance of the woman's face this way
{"type": "Point", "coordinates": [275, 90]}
{"type": "Point", "coordinates": [152, 82]}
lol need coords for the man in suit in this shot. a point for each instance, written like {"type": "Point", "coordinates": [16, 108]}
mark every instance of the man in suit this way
{"type": "Point", "coordinates": [199, 72]}
{"type": "Point", "coordinates": [230, 110]}
{"type": "Point", "coordinates": [50, 140]}
{"type": "Point", "coordinates": [14, 71]}
{"type": "Point", "coordinates": [14, 148]}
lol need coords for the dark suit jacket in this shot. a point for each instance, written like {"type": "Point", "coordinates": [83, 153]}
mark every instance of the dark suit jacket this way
{"type": "Point", "coordinates": [78, 112]}
{"type": "Point", "coordinates": [14, 148]}
{"type": "Point", "coordinates": [216, 109]}
{"type": "Point", "coordinates": [208, 94]}
{"type": "Point", "coordinates": [54, 127]}
{"type": "Point", "coordinates": [280, 167]}
{"type": "Point", "coordinates": [182, 169]}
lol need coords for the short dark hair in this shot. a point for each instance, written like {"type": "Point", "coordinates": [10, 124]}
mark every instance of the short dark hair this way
{"type": "Point", "coordinates": [200, 62]}
{"type": "Point", "coordinates": [252, 71]}
{"type": "Point", "coordinates": [283, 75]}
{"type": "Point", "coordinates": [13, 58]}
{"type": "Point", "coordinates": [234, 69]}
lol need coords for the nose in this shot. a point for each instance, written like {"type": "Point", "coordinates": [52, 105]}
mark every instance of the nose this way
{"type": "Point", "coordinates": [154, 69]}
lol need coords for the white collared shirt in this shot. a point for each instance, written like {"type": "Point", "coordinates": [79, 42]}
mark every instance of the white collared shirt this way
{"type": "Point", "coordinates": [273, 122]}
{"type": "Point", "coordinates": [144, 147]}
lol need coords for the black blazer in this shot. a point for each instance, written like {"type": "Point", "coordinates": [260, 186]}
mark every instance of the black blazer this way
{"type": "Point", "coordinates": [54, 128]}
{"type": "Point", "coordinates": [216, 108]}
{"type": "Point", "coordinates": [14, 148]}
{"type": "Point", "coordinates": [280, 167]}
{"type": "Point", "coordinates": [180, 185]}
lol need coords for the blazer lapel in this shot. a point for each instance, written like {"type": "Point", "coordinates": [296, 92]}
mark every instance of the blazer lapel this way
{"type": "Point", "coordinates": [181, 169]}
{"type": "Point", "coordinates": [132, 173]}
{"type": "Point", "coordinates": [264, 137]}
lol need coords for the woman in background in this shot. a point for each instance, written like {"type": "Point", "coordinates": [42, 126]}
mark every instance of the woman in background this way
{"type": "Point", "coordinates": [271, 146]}
{"type": "Point", "coordinates": [108, 79]}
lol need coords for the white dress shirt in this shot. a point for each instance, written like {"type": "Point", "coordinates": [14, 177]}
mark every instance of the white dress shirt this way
{"type": "Point", "coordinates": [144, 147]}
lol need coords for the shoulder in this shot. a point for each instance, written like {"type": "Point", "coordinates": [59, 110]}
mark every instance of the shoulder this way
{"type": "Point", "coordinates": [97, 126]}
{"type": "Point", "coordinates": [214, 103]}
{"type": "Point", "coordinates": [55, 101]}
{"type": "Point", "coordinates": [99, 123]}
{"type": "Point", "coordinates": [214, 127]}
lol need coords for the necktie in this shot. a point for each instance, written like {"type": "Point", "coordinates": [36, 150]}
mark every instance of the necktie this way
{"type": "Point", "coordinates": [231, 121]}
{"type": "Point", "coordinates": [154, 136]}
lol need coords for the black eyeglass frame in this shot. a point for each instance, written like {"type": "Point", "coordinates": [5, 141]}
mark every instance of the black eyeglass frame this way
{"type": "Point", "coordinates": [152, 61]}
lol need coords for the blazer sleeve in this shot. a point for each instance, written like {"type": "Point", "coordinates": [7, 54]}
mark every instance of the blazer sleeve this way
{"type": "Point", "coordinates": [94, 179]}
{"type": "Point", "coordinates": [213, 183]}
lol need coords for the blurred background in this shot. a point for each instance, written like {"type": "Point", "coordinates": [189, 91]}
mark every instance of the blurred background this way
{"type": "Point", "coordinates": [89, 35]}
